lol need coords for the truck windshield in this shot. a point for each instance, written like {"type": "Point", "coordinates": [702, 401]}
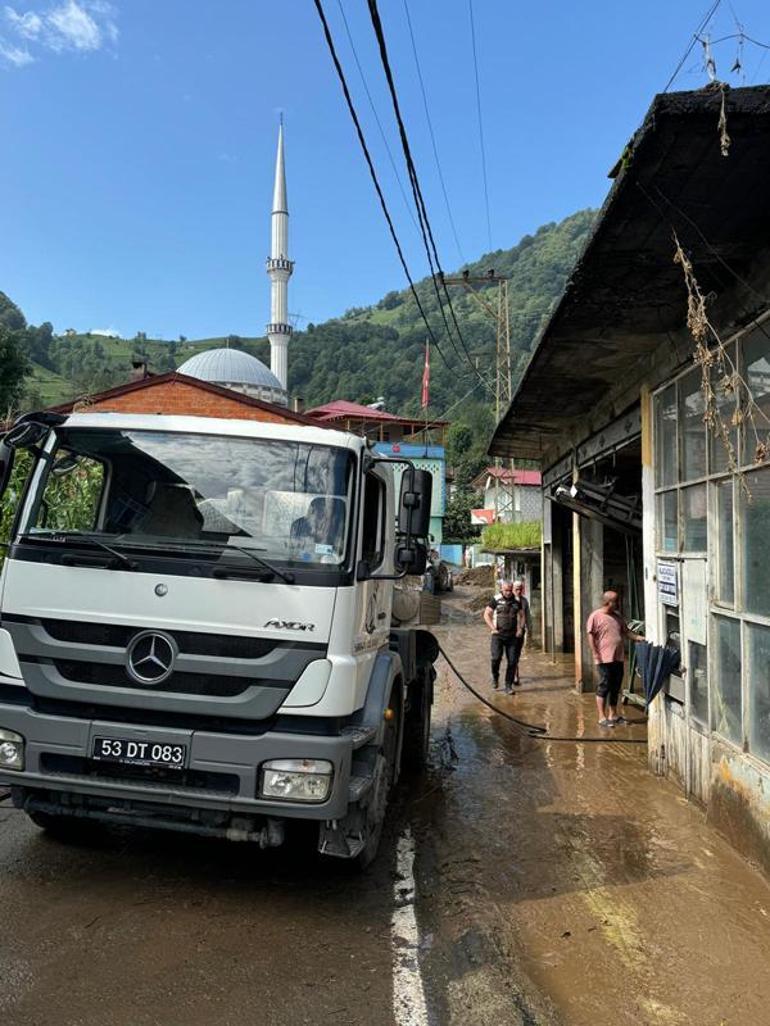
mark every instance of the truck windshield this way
{"type": "Point", "coordinates": [289, 501]}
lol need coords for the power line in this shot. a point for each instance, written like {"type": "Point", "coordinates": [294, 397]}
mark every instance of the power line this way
{"type": "Point", "coordinates": [706, 18]}
{"type": "Point", "coordinates": [391, 158]}
{"type": "Point", "coordinates": [427, 232]}
{"type": "Point", "coordinates": [373, 174]}
{"type": "Point", "coordinates": [432, 136]}
{"type": "Point", "coordinates": [481, 125]}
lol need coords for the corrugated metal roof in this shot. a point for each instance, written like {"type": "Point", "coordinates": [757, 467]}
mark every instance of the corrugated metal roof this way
{"type": "Point", "coordinates": [344, 408]}
{"type": "Point", "coordinates": [232, 366]}
{"type": "Point", "coordinates": [520, 477]}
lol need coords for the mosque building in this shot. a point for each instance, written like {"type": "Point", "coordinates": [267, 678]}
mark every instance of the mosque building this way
{"type": "Point", "coordinates": [235, 369]}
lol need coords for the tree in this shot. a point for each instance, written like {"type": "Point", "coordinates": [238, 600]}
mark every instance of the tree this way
{"type": "Point", "coordinates": [10, 315]}
{"type": "Point", "coordinates": [14, 367]}
{"type": "Point", "coordinates": [457, 518]}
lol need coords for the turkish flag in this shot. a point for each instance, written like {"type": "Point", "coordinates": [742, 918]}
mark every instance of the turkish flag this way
{"type": "Point", "coordinates": [425, 399]}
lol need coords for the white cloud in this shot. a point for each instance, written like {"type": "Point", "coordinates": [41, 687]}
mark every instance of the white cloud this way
{"type": "Point", "coordinates": [106, 332]}
{"type": "Point", "coordinates": [29, 25]}
{"type": "Point", "coordinates": [14, 55]}
{"type": "Point", "coordinates": [83, 26]}
{"type": "Point", "coordinates": [70, 26]}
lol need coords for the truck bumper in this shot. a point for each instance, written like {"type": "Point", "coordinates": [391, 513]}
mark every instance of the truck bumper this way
{"type": "Point", "coordinates": [222, 773]}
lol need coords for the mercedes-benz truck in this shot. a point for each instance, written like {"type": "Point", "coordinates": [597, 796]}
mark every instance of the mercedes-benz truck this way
{"type": "Point", "coordinates": [195, 627]}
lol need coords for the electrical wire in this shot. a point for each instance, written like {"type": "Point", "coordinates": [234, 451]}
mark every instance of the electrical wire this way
{"type": "Point", "coordinates": [534, 730]}
{"type": "Point", "coordinates": [373, 174]}
{"type": "Point", "coordinates": [427, 232]}
{"type": "Point", "coordinates": [704, 22]}
{"type": "Point", "coordinates": [391, 158]}
{"type": "Point", "coordinates": [481, 125]}
{"type": "Point", "coordinates": [430, 131]}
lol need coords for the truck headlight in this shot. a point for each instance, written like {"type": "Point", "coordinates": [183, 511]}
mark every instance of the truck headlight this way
{"type": "Point", "coordinates": [11, 750]}
{"type": "Point", "coordinates": [296, 780]}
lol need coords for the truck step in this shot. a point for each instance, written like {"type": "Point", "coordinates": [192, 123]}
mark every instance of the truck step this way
{"type": "Point", "coordinates": [357, 787]}
{"type": "Point", "coordinates": [334, 842]}
{"type": "Point", "coordinates": [359, 736]}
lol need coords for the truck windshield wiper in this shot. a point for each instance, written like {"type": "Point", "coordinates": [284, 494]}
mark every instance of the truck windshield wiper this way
{"type": "Point", "coordinates": [80, 539]}
{"type": "Point", "coordinates": [285, 575]}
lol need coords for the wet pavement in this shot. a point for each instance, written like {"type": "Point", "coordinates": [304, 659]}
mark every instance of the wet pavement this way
{"type": "Point", "coordinates": [553, 883]}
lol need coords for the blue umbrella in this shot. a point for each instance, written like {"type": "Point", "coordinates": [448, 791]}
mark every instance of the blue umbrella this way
{"type": "Point", "coordinates": [656, 663]}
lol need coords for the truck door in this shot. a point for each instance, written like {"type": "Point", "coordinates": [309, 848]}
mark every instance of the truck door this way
{"type": "Point", "coordinates": [373, 596]}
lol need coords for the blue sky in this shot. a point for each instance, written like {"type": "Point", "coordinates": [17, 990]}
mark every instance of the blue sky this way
{"type": "Point", "coordinates": [140, 135]}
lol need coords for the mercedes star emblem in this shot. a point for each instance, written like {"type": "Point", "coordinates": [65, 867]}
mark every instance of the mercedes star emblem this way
{"type": "Point", "coordinates": [150, 657]}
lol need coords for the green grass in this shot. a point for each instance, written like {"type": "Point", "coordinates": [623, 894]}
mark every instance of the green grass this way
{"type": "Point", "coordinates": [525, 535]}
{"type": "Point", "coordinates": [52, 387]}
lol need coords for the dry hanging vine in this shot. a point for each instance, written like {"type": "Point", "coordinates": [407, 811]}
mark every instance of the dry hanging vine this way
{"type": "Point", "coordinates": [720, 378]}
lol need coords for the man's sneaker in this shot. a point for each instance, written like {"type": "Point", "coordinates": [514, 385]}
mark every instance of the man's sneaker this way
{"type": "Point", "coordinates": [495, 685]}
{"type": "Point", "coordinates": [508, 690]}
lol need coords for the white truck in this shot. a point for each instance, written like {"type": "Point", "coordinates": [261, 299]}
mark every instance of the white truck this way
{"type": "Point", "coordinates": [195, 628]}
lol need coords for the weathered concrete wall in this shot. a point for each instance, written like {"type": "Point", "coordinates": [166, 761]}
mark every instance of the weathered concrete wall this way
{"type": "Point", "coordinates": [739, 802]}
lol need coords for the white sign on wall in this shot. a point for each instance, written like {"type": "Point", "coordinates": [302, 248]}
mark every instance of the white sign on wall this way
{"type": "Point", "coordinates": [668, 591]}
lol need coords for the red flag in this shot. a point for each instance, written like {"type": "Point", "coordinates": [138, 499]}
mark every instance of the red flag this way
{"type": "Point", "coordinates": [425, 399]}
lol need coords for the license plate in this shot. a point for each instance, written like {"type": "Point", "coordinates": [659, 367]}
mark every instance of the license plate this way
{"type": "Point", "coordinates": [140, 753]}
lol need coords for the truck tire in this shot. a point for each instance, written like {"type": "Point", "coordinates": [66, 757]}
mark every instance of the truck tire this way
{"type": "Point", "coordinates": [379, 795]}
{"type": "Point", "coordinates": [417, 723]}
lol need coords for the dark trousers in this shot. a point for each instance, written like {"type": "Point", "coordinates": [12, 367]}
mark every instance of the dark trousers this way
{"type": "Point", "coordinates": [511, 647]}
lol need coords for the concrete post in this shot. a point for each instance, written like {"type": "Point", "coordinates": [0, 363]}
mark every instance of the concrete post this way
{"type": "Point", "coordinates": [589, 584]}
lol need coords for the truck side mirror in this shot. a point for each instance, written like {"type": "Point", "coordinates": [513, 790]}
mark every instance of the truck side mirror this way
{"type": "Point", "coordinates": [25, 434]}
{"type": "Point", "coordinates": [6, 466]}
{"type": "Point", "coordinates": [415, 502]}
{"type": "Point", "coordinates": [412, 559]}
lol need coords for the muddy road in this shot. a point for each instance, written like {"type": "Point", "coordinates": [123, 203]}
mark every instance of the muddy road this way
{"type": "Point", "coordinates": [519, 883]}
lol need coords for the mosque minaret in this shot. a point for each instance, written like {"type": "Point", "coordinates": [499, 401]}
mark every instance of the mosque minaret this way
{"type": "Point", "coordinates": [279, 269]}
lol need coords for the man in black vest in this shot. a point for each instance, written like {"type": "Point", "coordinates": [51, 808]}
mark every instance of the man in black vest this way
{"type": "Point", "coordinates": [505, 616]}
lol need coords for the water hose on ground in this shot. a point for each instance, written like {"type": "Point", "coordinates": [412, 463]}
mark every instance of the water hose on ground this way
{"type": "Point", "coordinates": [534, 730]}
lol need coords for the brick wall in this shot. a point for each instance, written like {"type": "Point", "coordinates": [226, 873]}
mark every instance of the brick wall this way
{"type": "Point", "coordinates": [181, 399]}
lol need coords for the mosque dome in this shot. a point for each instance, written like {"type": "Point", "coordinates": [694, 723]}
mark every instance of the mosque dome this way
{"type": "Point", "coordinates": [232, 368]}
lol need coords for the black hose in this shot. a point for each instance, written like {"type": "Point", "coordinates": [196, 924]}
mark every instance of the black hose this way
{"type": "Point", "coordinates": [534, 730]}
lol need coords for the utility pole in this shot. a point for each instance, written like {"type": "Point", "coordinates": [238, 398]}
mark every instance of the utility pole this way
{"type": "Point", "coordinates": [499, 314]}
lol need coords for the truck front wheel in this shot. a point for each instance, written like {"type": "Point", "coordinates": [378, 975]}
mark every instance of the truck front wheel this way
{"type": "Point", "coordinates": [377, 800]}
{"type": "Point", "coordinates": [417, 722]}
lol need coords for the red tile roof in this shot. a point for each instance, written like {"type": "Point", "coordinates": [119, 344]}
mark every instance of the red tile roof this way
{"type": "Point", "coordinates": [343, 409]}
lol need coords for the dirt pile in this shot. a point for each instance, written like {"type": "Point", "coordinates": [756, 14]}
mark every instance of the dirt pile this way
{"type": "Point", "coordinates": [479, 577]}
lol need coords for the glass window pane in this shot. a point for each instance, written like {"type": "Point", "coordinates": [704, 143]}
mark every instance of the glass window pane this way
{"type": "Point", "coordinates": [692, 429]}
{"type": "Point", "coordinates": [694, 518]}
{"type": "Point", "coordinates": [667, 522]}
{"type": "Point", "coordinates": [665, 437]}
{"type": "Point", "coordinates": [725, 575]}
{"type": "Point", "coordinates": [726, 711]}
{"type": "Point", "coordinates": [756, 363]}
{"type": "Point", "coordinates": [697, 681]}
{"type": "Point", "coordinates": [756, 543]}
{"type": "Point", "coordinates": [759, 693]}
{"type": "Point", "coordinates": [723, 383]}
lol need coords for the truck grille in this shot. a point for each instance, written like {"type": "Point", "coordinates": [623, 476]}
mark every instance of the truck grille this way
{"type": "Point", "coordinates": [118, 636]}
{"type": "Point", "coordinates": [107, 675]}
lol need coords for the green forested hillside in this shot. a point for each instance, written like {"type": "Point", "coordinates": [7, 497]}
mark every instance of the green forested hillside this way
{"type": "Point", "coordinates": [366, 353]}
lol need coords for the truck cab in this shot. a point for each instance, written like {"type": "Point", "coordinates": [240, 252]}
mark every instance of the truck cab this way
{"type": "Point", "coordinates": [195, 628]}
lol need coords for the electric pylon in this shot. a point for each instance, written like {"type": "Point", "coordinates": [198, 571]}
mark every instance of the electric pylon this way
{"type": "Point", "coordinates": [500, 316]}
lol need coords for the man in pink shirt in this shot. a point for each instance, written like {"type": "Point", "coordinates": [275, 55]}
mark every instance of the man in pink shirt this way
{"type": "Point", "coordinates": [606, 633]}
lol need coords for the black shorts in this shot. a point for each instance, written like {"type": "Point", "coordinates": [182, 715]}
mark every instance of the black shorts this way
{"type": "Point", "coordinates": [610, 680]}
